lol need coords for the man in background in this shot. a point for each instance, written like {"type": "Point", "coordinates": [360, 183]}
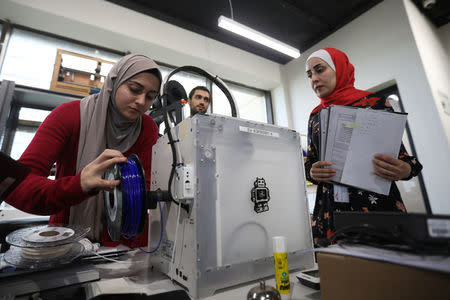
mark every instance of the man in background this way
{"type": "Point", "coordinates": [199, 100]}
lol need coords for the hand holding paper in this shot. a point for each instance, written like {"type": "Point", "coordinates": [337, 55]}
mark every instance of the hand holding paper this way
{"type": "Point", "coordinates": [355, 137]}
{"type": "Point", "coordinates": [319, 173]}
{"type": "Point", "coordinates": [390, 168]}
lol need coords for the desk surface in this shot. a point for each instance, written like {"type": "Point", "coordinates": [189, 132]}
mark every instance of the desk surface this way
{"type": "Point", "coordinates": [133, 275]}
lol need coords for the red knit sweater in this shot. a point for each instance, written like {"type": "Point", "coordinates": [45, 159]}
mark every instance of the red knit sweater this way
{"type": "Point", "coordinates": [57, 141]}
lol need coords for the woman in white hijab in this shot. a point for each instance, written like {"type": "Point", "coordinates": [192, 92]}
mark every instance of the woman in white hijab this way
{"type": "Point", "coordinates": [85, 138]}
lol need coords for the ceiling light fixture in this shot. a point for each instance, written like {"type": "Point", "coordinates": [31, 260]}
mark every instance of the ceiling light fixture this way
{"type": "Point", "coordinates": [257, 36]}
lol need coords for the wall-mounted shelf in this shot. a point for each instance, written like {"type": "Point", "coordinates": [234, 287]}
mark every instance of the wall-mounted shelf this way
{"type": "Point", "coordinates": [79, 74]}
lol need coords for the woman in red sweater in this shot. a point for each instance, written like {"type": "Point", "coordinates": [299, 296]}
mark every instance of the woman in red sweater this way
{"type": "Point", "coordinates": [85, 138]}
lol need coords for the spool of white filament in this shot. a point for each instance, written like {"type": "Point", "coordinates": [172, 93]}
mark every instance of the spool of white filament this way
{"type": "Point", "coordinates": [48, 234]}
{"type": "Point", "coordinates": [44, 246]}
{"type": "Point", "coordinates": [45, 253]}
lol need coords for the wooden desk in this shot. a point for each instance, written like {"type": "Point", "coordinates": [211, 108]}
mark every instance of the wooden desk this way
{"type": "Point", "coordinates": [363, 272]}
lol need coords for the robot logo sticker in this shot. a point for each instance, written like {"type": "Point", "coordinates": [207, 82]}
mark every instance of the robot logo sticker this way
{"type": "Point", "coordinates": [260, 195]}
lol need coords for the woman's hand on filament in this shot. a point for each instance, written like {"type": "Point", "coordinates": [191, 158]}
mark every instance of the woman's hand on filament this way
{"type": "Point", "coordinates": [92, 175]}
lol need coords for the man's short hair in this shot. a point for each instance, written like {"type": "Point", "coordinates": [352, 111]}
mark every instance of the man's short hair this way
{"type": "Point", "coordinates": [202, 88]}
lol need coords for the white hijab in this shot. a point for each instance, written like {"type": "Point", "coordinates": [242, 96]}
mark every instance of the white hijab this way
{"type": "Point", "coordinates": [102, 127]}
{"type": "Point", "coordinates": [323, 54]}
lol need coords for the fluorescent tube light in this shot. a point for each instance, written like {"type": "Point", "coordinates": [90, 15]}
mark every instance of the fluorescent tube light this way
{"type": "Point", "coordinates": [258, 37]}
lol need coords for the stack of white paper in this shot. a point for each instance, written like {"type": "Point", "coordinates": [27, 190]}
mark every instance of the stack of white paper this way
{"type": "Point", "coordinates": [350, 137]}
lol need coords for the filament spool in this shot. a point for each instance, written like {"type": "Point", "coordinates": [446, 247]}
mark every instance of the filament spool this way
{"type": "Point", "coordinates": [126, 204]}
{"type": "Point", "coordinates": [45, 253]}
{"type": "Point", "coordinates": [48, 234]}
{"type": "Point", "coordinates": [44, 246]}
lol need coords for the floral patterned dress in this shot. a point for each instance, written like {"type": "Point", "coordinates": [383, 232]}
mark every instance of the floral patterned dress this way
{"type": "Point", "coordinates": [359, 200]}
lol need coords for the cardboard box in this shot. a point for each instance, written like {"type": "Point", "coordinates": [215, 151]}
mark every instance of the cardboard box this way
{"type": "Point", "coordinates": [347, 277]}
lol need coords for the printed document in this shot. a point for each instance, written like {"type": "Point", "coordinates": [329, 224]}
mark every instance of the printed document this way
{"type": "Point", "coordinates": [340, 123]}
{"type": "Point", "coordinates": [323, 115]}
{"type": "Point", "coordinates": [354, 136]}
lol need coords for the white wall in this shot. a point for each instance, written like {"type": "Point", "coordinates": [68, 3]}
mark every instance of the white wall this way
{"type": "Point", "coordinates": [444, 34]}
{"type": "Point", "coordinates": [435, 59]}
{"type": "Point", "coordinates": [382, 47]}
{"type": "Point", "coordinates": [105, 24]}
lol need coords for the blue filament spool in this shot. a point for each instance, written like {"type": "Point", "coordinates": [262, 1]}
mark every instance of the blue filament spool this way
{"type": "Point", "coordinates": [126, 205]}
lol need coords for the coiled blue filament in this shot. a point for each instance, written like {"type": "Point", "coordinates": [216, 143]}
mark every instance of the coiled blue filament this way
{"type": "Point", "coordinates": [133, 201]}
{"type": "Point", "coordinates": [133, 193]}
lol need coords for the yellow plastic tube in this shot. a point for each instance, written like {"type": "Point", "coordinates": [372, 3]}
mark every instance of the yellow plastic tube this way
{"type": "Point", "coordinates": [281, 266]}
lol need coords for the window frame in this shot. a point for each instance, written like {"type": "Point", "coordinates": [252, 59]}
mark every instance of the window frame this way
{"type": "Point", "coordinates": [13, 122]}
{"type": "Point", "coordinates": [267, 95]}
